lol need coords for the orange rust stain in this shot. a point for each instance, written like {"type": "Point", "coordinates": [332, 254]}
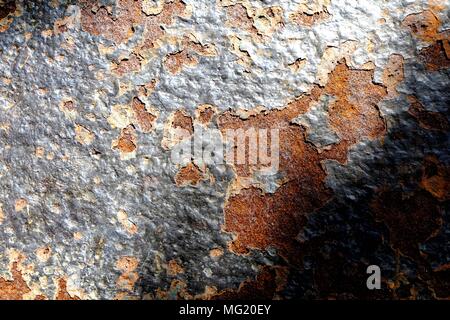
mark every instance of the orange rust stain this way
{"type": "Point", "coordinates": [410, 218]}
{"type": "Point", "coordinates": [435, 57]}
{"type": "Point", "coordinates": [127, 141]}
{"type": "Point", "coordinates": [237, 17]}
{"type": "Point", "coordinates": [129, 276]}
{"type": "Point", "coordinates": [189, 175]}
{"type": "Point", "coordinates": [183, 121]}
{"type": "Point", "coordinates": [100, 21]}
{"type": "Point", "coordinates": [20, 204]}
{"type": "Point", "coordinates": [427, 119]}
{"type": "Point", "coordinates": [128, 65]}
{"type": "Point", "coordinates": [259, 220]}
{"type": "Point", "coordinates": [153, 31]}
{"type": "Point", "coordinates": [144, 119]}
{"type": "Point", "coordinates": [13, 289]}
{"type": "Point", "coordinates": [393, 74]}
{"type": "Point", "coordinates": [205, 115]}
{"type": "Point", "coordinates": [424, 25]}
{"type": "Point", "coordinates": [174, 62]}
{"type": "Point", "coordinates": [216, 253]}
{"type": "Point", "coordinates": [309, 20]}
{"type": "Point", "coordinates": [147, 89]}
{"type": "Point", "coordinates": [62, 291]}
{"type": "Point", "coordinates": [268, 282]}
{"type": "Point", "coordinates": [174, 268]}
{"type": "Point", "coordinates": [436, 178]}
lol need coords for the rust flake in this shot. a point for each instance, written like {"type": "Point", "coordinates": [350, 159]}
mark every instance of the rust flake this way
{"type": "Point", "coordinates": [258, 220]}
{"type": "Point", "coordinates": [435, 57]}
{"type": "Point", "coordinates": [127, 141]}
{"type": "Point", "coordinates": [411, 218]}
{"type": "Point", "coordinates": [427, 119]}
{"type": "Point", "coordinates": [63, 294]}
{"type": "Point", "coordinates": [144, 119]}
{"type": "Point", "coordinates": [189, 175]}
{"type": "Point", "coordinates": [13, 289]}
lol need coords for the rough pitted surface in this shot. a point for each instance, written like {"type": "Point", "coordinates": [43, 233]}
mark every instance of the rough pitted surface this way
{"type": "Point", "coordinates": [92, 94]}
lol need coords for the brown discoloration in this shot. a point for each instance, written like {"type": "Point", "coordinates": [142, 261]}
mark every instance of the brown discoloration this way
{"type": "Point", "coordinates": [216, 253]}
{"type": "Point", "coordinates": [129, 276]}
{"type": "Point", "coordinates": [62, 291]}
{"type": "Point", "coordinates": [411, 219]}
{"type": "Point", "coordinates": [44, 253]}
{"type": "Point", "coordinates": [393, 74]}
{"type": "Point", "coordinates": [424, 25]}
{"type": "Point", "coordinates": [188, 55]}
{"type": "Point", "coordinates": [2, 214]}
{"type": "Point", "coordinates": [144, 119]}
{"type": "Point", "coordinates": [6, 8]}
{"type": "Point", "coordinates": [127, 141]}
{"type": "Point", "coordinates": [13, 289]}
{"type": "Point", "coordinates": [436, 178]}
{"type": "Point", "coordinates": [127, 264]}
{"type": "Point", "coordinates": [262, 220]}
{"type": "Point", "coordinates": [148, 88]}
{"type": "Point", "coordinates": [427, 119]}
{"type": "Point", "coordinates": [183, 121]}
{"type": "Point", "coordinates": [309, 20]}
{"type": "Point", "coordinates": [174, 62]}
{"type": "Point", "coordinates": [268, 282]}
{"type": "Point", "coordinates": [237, 16]}
{"type": "Point", "coordinates": [153, 31]}
{"type": "Point", "coordinates": [100, 21]}
{"type": "Point", "coordinates": [127, 65]}
{"type": "Point", "coordinates": [205, 114]}
{"type": "Point", "coordinates": [174, 268]}
{"type": "Point", "coordinates": [20, 204]}
{"type": "Point", "coordinates": [129, 226]}
{"type": "Point", "coordinates": [435, 57]}
{"type": "Point", "coordinates": [189, 175]}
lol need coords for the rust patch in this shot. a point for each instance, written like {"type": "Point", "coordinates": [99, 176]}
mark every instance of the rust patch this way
{"type": "Point", "coordinates": [174, 62]}
{"type": "Point", "coordinates": [435, 57]}
{"type": "Point", "coordinates": [436, 178]}
{"type": "Point", "coordinates": [145, 120]}
{"type": "Point", "coordinates": [237, 16]}
{"type": "Point", "coordinates": [308, 20]}
{"type": "Point", "coordinates": [129, 276]}
{"type": "Point", "coordinates": [13, 289]}
{"type": "Point", "coordinates": [99, 20]}
{"type": "Point", "coordinates": [127, 141]}
{"type": "Point", "coordinates": [424, 25]}
{"type": "Point", "coordinates": [7, 8]}
{"type": "Point", "coordinates": [427, 119]}
{"type": "Point", "coordinates": [20, 204]}
{"type": "Point", "coordinates": [411, 219]}
{"type": "Point", "coordinates": [62, 291]}
{"type": "Point", "coordinates": [268, 282]}
{"type": "Point", "coordinates": [259, 220]}
{"type": "Point", "coordinates": [205, 114]}
{"type": "Point", "coordinates": [183, 121]}
{"type": "Point", "coordinates": [174, 268]}
{"type": "Point", "coordinates": [189, 175]}
{"type": "Point", "coordinates": [127, 65]}
{"type": "Point", "coordinates": [393, 74]}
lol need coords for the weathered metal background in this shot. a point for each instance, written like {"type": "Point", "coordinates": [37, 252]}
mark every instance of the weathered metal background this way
{"type": "Point", "coordinates": [92, 207]}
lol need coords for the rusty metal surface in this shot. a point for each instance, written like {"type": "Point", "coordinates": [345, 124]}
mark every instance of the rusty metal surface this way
{"type": "Point", "coordinates": [92, 94]}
